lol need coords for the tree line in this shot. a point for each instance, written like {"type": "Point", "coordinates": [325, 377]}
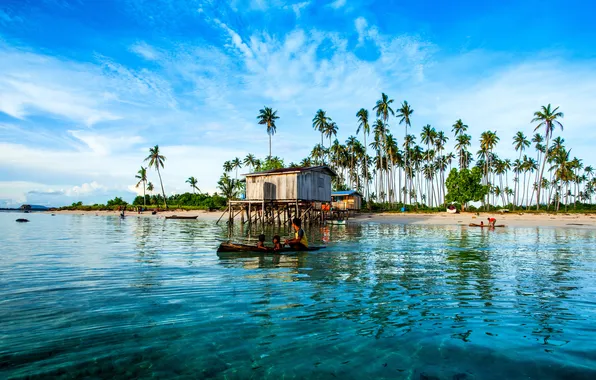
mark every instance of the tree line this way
{"type": "Point", "coordinates": [414, 172]}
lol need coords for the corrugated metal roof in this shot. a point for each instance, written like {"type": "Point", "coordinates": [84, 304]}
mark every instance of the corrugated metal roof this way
{"type": "Point", "coordinates": [293, 170]}
{"type": "Point", "coordinates": [344, 192]}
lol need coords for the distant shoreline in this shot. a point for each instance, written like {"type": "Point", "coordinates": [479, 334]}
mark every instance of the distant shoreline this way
{"type": "Point", "coordinates": [512, 219]}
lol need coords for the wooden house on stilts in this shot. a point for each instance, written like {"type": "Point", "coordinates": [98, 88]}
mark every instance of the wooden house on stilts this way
{"type": "Point", "coordinates": [278, 196]}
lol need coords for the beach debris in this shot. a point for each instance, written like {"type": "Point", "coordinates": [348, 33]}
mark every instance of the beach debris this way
{"type": "Point", "coordinates": [21, 220]}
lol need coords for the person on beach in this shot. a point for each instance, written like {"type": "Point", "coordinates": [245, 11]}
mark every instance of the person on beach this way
{"type": "Point", "coordinates": [261, 243]}
{"type": "Point", "coordinates": [300, 242]}
{"type": "Point", "coordinates": [277, 243]}
{"type": "Point", "coordinates": [491, 222]}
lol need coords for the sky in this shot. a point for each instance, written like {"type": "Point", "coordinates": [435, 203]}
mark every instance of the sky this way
{"type": "Point", "coordinates": [87, 87]}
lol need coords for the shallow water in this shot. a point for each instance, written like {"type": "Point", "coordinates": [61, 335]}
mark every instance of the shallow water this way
{"type": "Point", "coordinates": [84, 296]}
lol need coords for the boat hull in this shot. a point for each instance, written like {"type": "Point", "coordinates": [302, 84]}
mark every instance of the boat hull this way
{"type": "Point", "coordinates": [231, 247]}
{"type": "Point", "coordinates": [485, 225]}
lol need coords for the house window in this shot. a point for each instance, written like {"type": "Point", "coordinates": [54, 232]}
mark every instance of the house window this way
{"type": "Point", "coordinates": [321, 181]}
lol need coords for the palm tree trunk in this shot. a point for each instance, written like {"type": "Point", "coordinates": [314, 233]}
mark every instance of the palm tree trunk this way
{"type": "Point", "coordinates": [144, 202]}
{"type": "Point", "coordinates": [366, 171]}
{"type": "Point", "coordinates": [542, 169]}
{"type": "Point", "coordinates": [162, 190]}
{"type": "Point", "coordinates": [269, 153]}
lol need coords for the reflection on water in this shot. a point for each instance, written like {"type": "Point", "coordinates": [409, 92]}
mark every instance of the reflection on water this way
{"type": "Point", "coordinates": [102, 297]}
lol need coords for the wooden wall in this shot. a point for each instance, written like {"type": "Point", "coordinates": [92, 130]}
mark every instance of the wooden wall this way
{"type": "Point", "coordinates": [271, 187]}
{"type": "Point", "coordinates": [314, 186]}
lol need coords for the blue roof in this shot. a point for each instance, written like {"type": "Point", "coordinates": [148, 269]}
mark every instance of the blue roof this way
{"type": "Point", "coordinates": [344, 192]}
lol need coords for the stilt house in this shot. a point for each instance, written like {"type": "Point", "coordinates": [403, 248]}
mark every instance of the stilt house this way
{"type": "Point", "coordinates": [346, 200]}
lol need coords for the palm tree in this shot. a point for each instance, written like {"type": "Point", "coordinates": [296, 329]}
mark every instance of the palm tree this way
{"type": "Point", "coordinates": [250, 160]}
{"type": "Point", "coordinates": [267, 117]}
{"type": "Point", "coordinates": [193, 184]}
{"type": "Point", "coordinates": [156, 160]}
{"type": "Point", "coordinates": [463, 141]}
{"type": "Point", "coordinates": [319, 123]}
{"type": "Point", "coordinates": [362, 116]}
{"type": "Point", "coordinates": [427, 137]}
{"type": "Point", "coordinates": [459, 128]}
{"type": "Point", "coordinates": [236, 164]}
{"type": "Point", "coordinates": [142, 177]}
{"type": "Point", "coordinates": [227, 166]}
{"type": "Point", "coordinates": [488, 140]}
{"type": "Point", "coordinates": [228, 186]}
{"type": "Point", "coordinates": [520, 142]}
{"type": "Point", "coordinates": [546, 117]}
{"type": "Point", "coordinates": [330, 130]}
{"type": "Point", "coordinates": [150, 187]}
{"type": "Point", "coordinates": [405, 113]}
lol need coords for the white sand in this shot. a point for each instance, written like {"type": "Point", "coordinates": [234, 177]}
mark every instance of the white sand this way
{"type": "Point", "coordinates": [514, 219]}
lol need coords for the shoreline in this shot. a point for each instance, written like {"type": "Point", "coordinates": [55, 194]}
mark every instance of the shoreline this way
{"type": "Point", "coordinates": [582, 221]}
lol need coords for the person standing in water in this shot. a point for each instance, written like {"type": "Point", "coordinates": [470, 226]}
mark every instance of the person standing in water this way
{"type": "Point", "coordinates": [491, 222]}
{"type": "Point", "coordinates": [300, 242]}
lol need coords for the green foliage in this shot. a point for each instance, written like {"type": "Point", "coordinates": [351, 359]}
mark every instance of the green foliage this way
{"type": "Point", "coordinates": [116, 202]}
{"type": "Point", "coordinates": [272, 163]}
{"type": "Point", "coordinates": [465, 186]}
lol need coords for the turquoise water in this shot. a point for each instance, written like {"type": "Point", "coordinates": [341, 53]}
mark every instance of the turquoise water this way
{"type": "Point", "coordinates": [85, 296]}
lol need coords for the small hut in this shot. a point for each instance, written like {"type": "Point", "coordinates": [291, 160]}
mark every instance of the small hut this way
{"type": "Point", "coordinates": [346, 200]}
{"type": "Point", "coordinates": [282, 194]}
{"type": "Point", "coordinates": [291, 184]}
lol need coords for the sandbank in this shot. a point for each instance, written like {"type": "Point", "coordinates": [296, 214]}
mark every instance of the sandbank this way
{"type": "Point", "coordinates": [512, 219]}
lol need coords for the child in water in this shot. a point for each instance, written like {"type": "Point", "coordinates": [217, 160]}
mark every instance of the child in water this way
{"type": "Point", "coordinates": [300, 242]}
{"type": "Point", "coordinates": [277, 243]}
{"type": "Point", "coordinates": [261, 242]}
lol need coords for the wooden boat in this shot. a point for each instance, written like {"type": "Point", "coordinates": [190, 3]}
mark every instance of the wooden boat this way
{"type": "Point", "coordinates": [485, 225]}
{"type": "Point", "coordinates": [181, 217]}
{"type": "Point", "coordinates": [233, 247]}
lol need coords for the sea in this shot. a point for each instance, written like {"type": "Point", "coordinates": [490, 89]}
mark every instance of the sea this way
{"type": "Point", "coordinates": [85, 296]}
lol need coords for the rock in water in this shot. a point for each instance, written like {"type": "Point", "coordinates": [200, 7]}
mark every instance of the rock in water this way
{"type": "Point", "coordinates": [20, 220]}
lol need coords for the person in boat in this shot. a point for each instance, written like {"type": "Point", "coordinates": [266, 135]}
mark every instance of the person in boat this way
{"type": "Point", "coordinates": [491, 222]}
{"type": "Point", "coordinates": [277, 243]}
{"type": "Point", "coordinates": [481, 223]}
{"type": "Point", "coordinates": [300, 241]}
{"type": "Point", "coordinates": [261, 243]}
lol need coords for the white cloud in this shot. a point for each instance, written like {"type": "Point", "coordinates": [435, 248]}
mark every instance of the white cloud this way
{"type": "Point", "coordinates": [105, 144]}
{"type": "Point", "coordinates": [236, 39]}
{"type": "Point", "coordinates": [85, 189]}
{"type": "Point", "coordinates": [145, 51]}
{"type": "Point", "coordinates": [298, 7]}
{"type": "Point", "coordinates": [337, 4]}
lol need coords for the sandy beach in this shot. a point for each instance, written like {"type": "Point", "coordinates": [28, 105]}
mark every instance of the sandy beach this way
{"type": "Point", "coordinates": [512, 219]}
{"type": "Point", "coordinates": [508, 219]}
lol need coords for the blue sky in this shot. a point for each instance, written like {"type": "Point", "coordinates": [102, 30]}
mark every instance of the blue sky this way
{"type": "Point", "coordinates": [86, 87]}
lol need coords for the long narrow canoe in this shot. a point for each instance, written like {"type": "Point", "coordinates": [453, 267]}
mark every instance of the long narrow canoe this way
{"type": "Point", "coordinates": [181, 217]}
{"type": "Point", "coordinates": [485, 225]}
{"type": "Point", "coordinates": [233, 247]}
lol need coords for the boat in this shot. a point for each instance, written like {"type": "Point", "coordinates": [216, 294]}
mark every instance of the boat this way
{"type": "Point", "coordinates": [234, 247]}
{"type": "Point", "coordinates": [181, 217]}
{"type": "Point", "coordinates": [485, 225]}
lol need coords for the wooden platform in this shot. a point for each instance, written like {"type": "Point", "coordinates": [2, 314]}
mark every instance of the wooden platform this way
{"type": "Point", "coordinates": [280, 212]}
